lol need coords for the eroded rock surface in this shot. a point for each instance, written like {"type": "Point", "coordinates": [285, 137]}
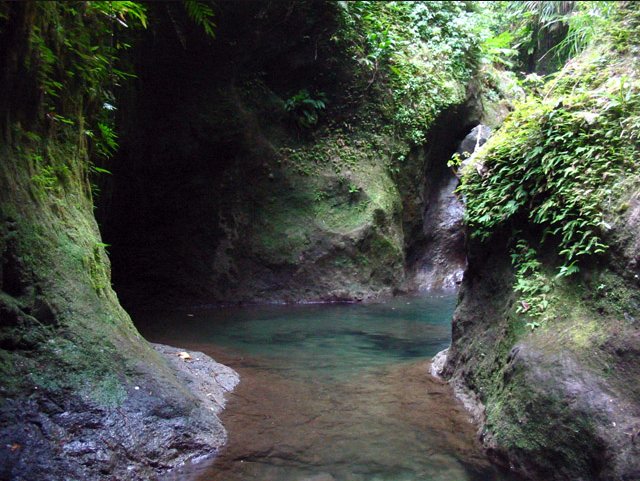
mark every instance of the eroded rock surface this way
{"type": "Point", "coordinates": [443, 258]}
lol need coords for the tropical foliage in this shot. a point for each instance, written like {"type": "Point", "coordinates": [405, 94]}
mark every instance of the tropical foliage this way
{"type": "Point", "coordinates": [304, 108]}
{"type": "Point", "coordinates": [553, 165]}
{"type": "Point", "coordinates": [202, 14]}
{"type": "Point", "coordinates": [544, 35]}
{"type": "Point", "coordinates": [423, 52]}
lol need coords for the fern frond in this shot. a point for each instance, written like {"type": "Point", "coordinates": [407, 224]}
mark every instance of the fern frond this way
{"type": "Point", "coordinates": [202, 14]}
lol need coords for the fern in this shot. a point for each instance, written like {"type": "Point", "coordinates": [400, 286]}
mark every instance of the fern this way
{"type": "Point", "coordinates": [304, 109]}
{"type": "Point", "coordinates": [587, 20]}
{"type": "Point", "coordinates": [554, 162]}
{"type": "Point", "coordinates": [202, 14]}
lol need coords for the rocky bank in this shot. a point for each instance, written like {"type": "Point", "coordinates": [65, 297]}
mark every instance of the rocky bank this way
{"type": "Point", "coordinates": [159, 425]}
{"type": "Point", "coordinates": [557, 392]}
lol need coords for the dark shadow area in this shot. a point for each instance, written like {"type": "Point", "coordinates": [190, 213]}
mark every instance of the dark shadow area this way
{"type": "Point", "coordinates": [197, 128]}
{"type": "Point", "coordinates": [200, 175]}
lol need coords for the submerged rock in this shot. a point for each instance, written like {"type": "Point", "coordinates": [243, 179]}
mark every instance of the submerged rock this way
{"type": "Point", "coordinates": [320, 477]}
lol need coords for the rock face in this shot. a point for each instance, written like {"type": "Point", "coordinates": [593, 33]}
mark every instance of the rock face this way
{"type": "Point", "coordinates": [443, 261]}
{"type": "Point", "coordinates": [442, 257]}
{"type": "Point", "coordinates": [160, 425]}
{"type": "Point", "coordinates": [206, 379]}
{"type": "Point", "coordinates": [82, 394]}
{"type": "Point", "coordinates": [438, 362]}
{"type": "Point", "coordinates": [234, 203]}
{"type": "Point", "coordinates": [556, 389]}
{"type": "Point", "coordinates": [474, 140]}
{"type": "Point", "coordinates": [560, 404]}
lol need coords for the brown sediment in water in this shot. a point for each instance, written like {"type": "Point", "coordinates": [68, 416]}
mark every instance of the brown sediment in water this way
{"type": "Point", "coordinates": [396, 419]}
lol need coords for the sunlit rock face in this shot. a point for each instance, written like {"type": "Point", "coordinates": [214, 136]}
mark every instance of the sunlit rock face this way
{"type": "Point", "coordinates": [442, 260]}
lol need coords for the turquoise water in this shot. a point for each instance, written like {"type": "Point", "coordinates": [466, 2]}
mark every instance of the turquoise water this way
{"type": "Point", "coordinates": [332, 392]}
{"type": "Point", "coordinates": [328, 340]}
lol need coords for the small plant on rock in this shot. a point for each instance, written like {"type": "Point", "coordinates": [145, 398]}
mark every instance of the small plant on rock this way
{"type": "Point", "coordinates": [304, 108]}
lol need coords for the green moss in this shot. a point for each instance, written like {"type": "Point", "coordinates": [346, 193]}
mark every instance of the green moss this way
{"type": "Point", "coordinates": [109, 391]}
{"type": "Point", "coordinates": [529, 419]}
{"type": "Point", "coordinates": [526, 421]}
{"type": "Point", "coordinates": [528, 411]}
{"type": "Point", "coordinates": [610, 294]}
{"type": "Point", "coordinates": [10, 374]}
{"type": "Point", "coordinates": [385, 247]}
{"type": "Point", "coordinates": [336, 187]}
{"type": "Point", "coordinates": [551, 172]}
{"type": "Point", "coordinates": [66, 320]}
{"type": "Point", "coordinates": [95, 265]}
{"type": "Point", "coordinates": [342, 261]}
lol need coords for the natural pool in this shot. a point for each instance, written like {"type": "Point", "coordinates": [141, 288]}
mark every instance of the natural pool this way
{"type": "Point", "coordinates": [332, 392]}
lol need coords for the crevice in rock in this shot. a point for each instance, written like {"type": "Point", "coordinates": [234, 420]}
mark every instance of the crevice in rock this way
{"type": "Point", "coordinates": [12, 279]}
{"type": "Point", "coordinates": [436, 254]}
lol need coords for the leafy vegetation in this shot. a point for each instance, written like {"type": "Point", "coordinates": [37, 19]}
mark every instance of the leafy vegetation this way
{"type": "Point", "coordinates": [201, 13]}
{"type": "Point", "coordinates": [542, 36]}
{"type": "Point", "coordinates": [552, 167]}
{"type": "Point", "coordinates": [75, 49]}
{"type": "Point", "coordinates": [304, 108]}
{"type": "Point", "coordinates": [423, 52]}
{"type": "Point", "coordinates": [532, 285]}
{"type": "Point", "coordinates": [74, 67]}
{"type": "Point", "coordinates": [411, 61]}
{"type": "Point", "coordinates": [68, 79]}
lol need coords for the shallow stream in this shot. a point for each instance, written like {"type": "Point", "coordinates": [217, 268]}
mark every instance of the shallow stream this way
{"type": "Point", "coordinates": [332, 392]}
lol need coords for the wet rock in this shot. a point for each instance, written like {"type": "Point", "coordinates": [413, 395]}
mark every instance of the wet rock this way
{"type": "Point", "coordinates": [438, 362]}
{"type": "Point", "coordinates": [207, 379]}
{"type": "Point", "coordinates": [550, 407]}
{"type": "Point", "coordinates": [79, 448]}
{"type": "Point", "coordinates": [583, 420]}
{"type": "Point", "coordinates": [443, 259]}
{"type": "Point", "coordinates": [62, 435]}
{"type": "Point", "coordinates": [474, 140]}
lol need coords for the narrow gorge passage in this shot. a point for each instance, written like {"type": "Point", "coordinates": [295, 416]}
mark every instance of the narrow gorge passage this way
{"type": "Point", "coordinates": [332, 392]}
{"type": "Point", "coordinates": [300, 155]}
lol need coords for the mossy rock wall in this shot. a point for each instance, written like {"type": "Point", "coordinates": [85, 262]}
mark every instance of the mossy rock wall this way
{"type": "Point", "coordinates": [555, 376]}
{"type": "Point", "coordinates": [558, 402]}
{"type": "Point", "coordinates": [80, 389]}
{"type": "Point", "coordinates": [66, 345]}
{"type": "Point", "coordinates": [221, 194]}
